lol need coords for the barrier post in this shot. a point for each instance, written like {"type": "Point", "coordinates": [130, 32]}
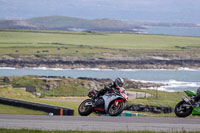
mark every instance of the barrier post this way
{"type": "Point", "coordinates": [61, 111]}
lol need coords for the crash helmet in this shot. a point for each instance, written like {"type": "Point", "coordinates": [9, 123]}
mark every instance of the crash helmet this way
{"type": "Point", "coordinates": [119, 82]}
{"type": "Point", "coordinates": [198, 91]}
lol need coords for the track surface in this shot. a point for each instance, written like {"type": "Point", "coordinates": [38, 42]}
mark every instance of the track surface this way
{"type": "Point", "coordinates": [101, 123]}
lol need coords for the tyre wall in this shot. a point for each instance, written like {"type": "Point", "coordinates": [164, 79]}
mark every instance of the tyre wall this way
{"type": "Point", "coordinates": [148, 108]}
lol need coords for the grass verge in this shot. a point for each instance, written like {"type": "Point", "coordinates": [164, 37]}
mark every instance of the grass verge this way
{"type": "Point", "coordinates": [6, 109]}
{"type": "Point", "coordinates": [10, 92]}
{"type": "Point", "coordinates": [159, 98]}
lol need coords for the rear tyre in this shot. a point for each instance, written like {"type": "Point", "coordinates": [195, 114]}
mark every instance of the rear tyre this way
{"type": "Point", "coordinates": [85, 110]}
{"type": "Point", "coordinates": [183, 109]}
{"type": "Point", "coordinates": [114, 110]}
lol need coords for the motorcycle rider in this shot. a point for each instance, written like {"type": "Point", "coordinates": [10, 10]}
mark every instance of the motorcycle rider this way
{"type": "Point", "coordinates": [197, 98]}
{"type": "Point", "coordinates": [119, 82]}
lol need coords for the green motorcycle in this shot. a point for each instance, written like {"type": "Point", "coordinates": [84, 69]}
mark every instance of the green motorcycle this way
{"type": "Point", "coordinates": [186, 107]}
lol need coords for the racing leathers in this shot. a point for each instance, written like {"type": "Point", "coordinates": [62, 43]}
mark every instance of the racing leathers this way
{"type": "Point", "coordinates": [107, 88]}
{"type": "Point", "coordinates": [197, 98]}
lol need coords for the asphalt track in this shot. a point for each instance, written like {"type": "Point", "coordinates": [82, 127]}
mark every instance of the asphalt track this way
{"type": "Point", "coordinates": [99, 123]}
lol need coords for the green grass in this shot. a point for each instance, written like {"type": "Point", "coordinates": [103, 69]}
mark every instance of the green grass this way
{"type": "Point", "coordinates": [65, 87]}
{"type": "Point", "coordinates": [6, 109]}
{"type": "Point", "coordinates": [169, 99]}
{"type": "Point", "coordinates": [164, 98]}
{"type": "Point", "coordinates": [159, 98]}
{"type": "Point", "coordinates": [82, 43]}
{"type": "Point", "coordinates": [9, 92]}
{"type": "Point", "coordinates": [68, 90]}
{"type": "Point", "coordinates": [27, 81]}
{"type": "Point", "coordinates": [2, 130]}
{"type": "Point", "coordinates": [124, 41]}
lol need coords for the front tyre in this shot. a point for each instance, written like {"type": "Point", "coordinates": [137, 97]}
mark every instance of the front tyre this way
{"type": "Point", "coordinates": [183, 109]}
{"type": "Point", "coordinates": [114, 110]}
{"type": "Point", "coordinates": [85, 110]}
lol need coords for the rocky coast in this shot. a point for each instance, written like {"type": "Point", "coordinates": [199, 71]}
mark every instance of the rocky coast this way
{"type": "Point", "coordinates": [68, 62]}
{"type": "Point", "coordinates": [54, 82]}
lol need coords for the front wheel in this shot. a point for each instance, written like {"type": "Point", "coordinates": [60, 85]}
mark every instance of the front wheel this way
{"type": "Point", "coordinates": [183, 109]}
{"type": "Point", "coordinates": [114, 110]}
{"type": "Point", "coordinates": [84, 109]}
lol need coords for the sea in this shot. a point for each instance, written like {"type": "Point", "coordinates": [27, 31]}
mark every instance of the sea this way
{"type": "Point", "coordinates": [174, 80]}
{"type": "Point", "coordinates": [178, 31]}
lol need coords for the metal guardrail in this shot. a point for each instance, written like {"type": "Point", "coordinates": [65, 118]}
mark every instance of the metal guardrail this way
{"type": "Point", "coordinates": [56, 110]}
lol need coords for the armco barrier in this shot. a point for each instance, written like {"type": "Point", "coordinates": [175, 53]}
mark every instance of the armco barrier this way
{"type": "Point", "coordinates": [37, 106]}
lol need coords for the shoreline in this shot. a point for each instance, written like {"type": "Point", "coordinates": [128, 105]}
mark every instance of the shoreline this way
{"type": "Point", "coordinates": [169, 85]}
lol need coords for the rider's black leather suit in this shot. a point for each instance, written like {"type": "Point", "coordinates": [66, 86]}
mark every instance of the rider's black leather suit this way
{"type": "Point", "coordinates": [106, 88]}
{"type": "Point", "coordinates": [197, 98]}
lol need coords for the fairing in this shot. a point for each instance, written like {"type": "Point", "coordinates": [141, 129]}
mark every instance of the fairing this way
{"type": "Point", "coordinates": [108, 98]}
{"type": "Point", "coordinates": [190, 93]}
{"type": "Point", "coordinates": [196, 111]}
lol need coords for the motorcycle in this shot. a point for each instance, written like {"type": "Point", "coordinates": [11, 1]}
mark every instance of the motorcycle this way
{"type": "Point", "coordinates": [186, 107]}
{"type": "Point", "coordinates": [112, 102]}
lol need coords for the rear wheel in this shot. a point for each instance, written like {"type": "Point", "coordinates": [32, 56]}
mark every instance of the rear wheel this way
{"type": "Point", "coordinates": [114, 110]}
{"type": "Point", "coordinates": [84, 109]}
{"type": "Point", "coordinates": [183, 109]}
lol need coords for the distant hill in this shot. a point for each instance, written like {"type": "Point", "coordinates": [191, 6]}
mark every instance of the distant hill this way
{"type": "Point", "coordinates": [70, 23]}
{"type": "Point", "coordinates": [79, 24]}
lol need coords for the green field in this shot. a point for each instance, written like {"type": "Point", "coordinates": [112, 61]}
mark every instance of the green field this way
{"type": "Point", "coordinates": [87, 44]}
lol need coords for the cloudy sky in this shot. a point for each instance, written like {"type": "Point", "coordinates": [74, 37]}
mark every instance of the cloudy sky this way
{"type": "Point", "coordinates": [130, 10]}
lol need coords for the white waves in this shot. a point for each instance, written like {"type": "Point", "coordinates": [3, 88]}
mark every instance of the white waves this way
{"type": "Point", "coordinates": [7, 68]}
{"type": "Point", "coordinates": [173, 85]}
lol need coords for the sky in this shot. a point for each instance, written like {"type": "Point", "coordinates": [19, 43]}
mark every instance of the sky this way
{"type": "Point", "coordinates": [127, 10]}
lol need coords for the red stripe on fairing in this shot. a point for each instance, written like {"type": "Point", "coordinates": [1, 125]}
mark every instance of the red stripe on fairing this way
{"type": "Point", "coordinates": [98, 109]}
{"type": "Point", "coordinates": [125, 96]}
{"type": "Point", "coordinates": [120, 100]}
{"type": "Point", "coordinates": [117, 101]}
{"type": "Point", "coordinates": [93, 92]}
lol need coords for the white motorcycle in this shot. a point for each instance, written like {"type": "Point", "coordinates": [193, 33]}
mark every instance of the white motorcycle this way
{"type": "Point", "coordinates": [112, 102]}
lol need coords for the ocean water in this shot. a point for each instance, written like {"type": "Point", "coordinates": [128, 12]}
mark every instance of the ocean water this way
{"type": "Point", "coordinates": [179, 31]}
{"type": "Point", "coordinates": [175, 80]}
